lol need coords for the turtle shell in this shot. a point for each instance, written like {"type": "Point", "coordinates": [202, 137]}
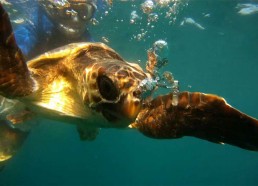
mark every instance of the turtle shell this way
{"type": "Point", "coordinates": [86, 84]}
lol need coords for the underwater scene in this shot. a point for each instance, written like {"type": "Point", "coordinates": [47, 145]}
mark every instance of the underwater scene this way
{"type": "Point", "coordinates": [208, 46]}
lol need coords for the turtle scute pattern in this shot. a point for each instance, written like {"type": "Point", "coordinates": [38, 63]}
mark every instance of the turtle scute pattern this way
{"type": "Point", "coordinates": [90, 85]}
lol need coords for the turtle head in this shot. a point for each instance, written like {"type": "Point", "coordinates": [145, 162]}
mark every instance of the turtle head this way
{"type": "Point", "coordinates": [112, 88]}
{"type": "Point", "coordinates": [70, 16]}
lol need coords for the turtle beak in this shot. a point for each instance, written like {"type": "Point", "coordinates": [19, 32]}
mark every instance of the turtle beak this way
{"type": "Point", "coordinates": [131, 107]}
{"type": "Point", "coordinates": [127, 108]}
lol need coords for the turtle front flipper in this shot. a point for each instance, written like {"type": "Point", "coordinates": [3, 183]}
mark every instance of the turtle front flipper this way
{"type": "Point", "coordinates": [11, 139]}
{"type": "Point", "coordinates": [15, 80]}
{"type": "Point", "coordinates": [204, 116]}
{"type": "Point", "coordinates": [87, 133]}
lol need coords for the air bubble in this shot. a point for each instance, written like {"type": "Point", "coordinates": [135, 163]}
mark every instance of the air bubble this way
{"type": "Point", "coordinates": [94, 21]}
{"type": "Point", "coordinates": [153, 17]}
{"type": "Point", "coordinates": [163, 3]}
{"type": "Point", "coordinates": [134, 17]}
{"type": "Point", "coordinates": [147, 6]}
{"type": "Point", "coordinates": [160, 48]}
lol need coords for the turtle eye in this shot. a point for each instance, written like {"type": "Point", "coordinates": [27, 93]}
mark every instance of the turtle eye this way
{"type": "Point", "coordinates": [107, 88]}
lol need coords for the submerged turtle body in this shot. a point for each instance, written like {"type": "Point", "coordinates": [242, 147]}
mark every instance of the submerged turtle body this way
{"type": "Point", "coordinates": [80, 83]}
{"type": "Point", "coordinates": [90, 85]}
{"type": "Point", "coordinates": [80, 80]}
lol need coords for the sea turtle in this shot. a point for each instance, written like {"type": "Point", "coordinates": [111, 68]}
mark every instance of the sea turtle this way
{"type": "Point", "coordinates": [91, 86]}
{"type": "Point", "coordinates": [77, 83]}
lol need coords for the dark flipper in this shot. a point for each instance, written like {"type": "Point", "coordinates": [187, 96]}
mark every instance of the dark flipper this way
{"type": "Point", "coordinates": [204, 116]}
{"type": "Point", "coordinates": [15, 78]}
{"type": "Point", "coordinates": [10, 141]}
{"type": "Point", "coordinates": [87, 133]}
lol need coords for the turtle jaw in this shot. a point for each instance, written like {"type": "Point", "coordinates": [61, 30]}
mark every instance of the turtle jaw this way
{"type": "Point", "coordinates": [131, 107]}
{"type": "Point", "coordinates": [121, 114]}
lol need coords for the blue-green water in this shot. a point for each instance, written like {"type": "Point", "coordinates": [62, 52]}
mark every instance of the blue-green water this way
{"type": "Point", "coordinates": [220, 59]}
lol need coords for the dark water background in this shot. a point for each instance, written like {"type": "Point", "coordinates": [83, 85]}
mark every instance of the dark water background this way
{"type": "Point", "coordinates": [222, 59]}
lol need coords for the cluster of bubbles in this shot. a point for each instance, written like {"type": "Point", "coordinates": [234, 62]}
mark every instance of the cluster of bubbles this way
{"type": "Point", "coordinates": [171, 7]}
{"type": "Point", "coordinates": [142, 17]}
{"type": "Point", "coordinates": [160, 51]}
{"type": "Point", "coordinates": [151, 12]}
{"type": "Point", "coordinates": [160, 48]}
{"type": "Point", "coordinates": [147, 6]}
{"type": "Point", "coordinates": [134, 17]}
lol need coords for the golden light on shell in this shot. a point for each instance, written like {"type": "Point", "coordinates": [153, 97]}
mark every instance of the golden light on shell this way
{"type": "Point", "coordinates": [56, 100]}
{"type": "Point", "coordinates": [56, 96]}
{"type": "Point", "coordinates": [4, 157]}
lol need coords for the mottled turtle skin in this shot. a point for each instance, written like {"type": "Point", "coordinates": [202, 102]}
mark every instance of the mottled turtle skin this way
{"type": "Point", "coordinates": [91, 86]}
{"type": "Point", "coordinates": [79, 84]}
{"type": "Point", "coordinates": [87, 84]}
{"type": "Point", "coordinates": [200, 115]}
{"type": "Point", "coordinates": [84, 79]}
